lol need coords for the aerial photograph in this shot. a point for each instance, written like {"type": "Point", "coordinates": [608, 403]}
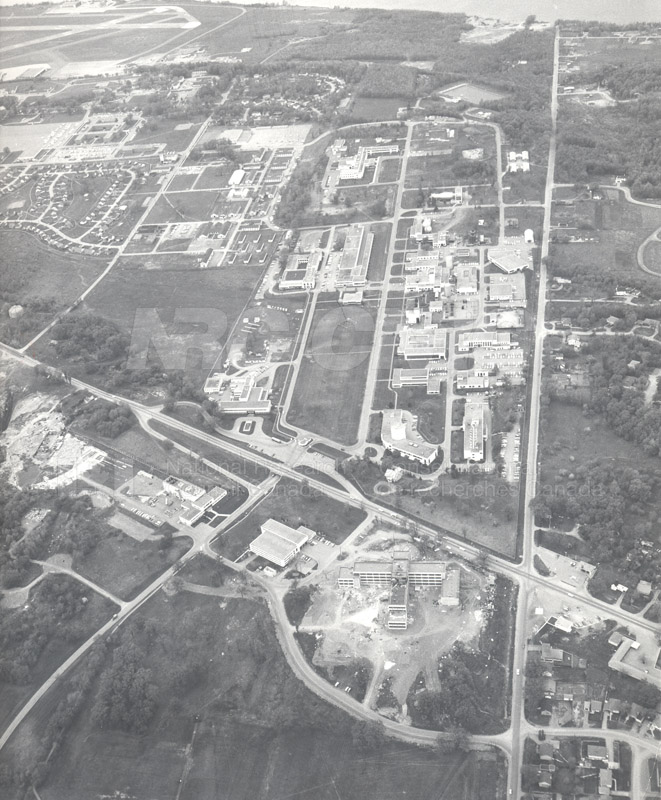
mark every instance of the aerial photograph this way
{"type": "Point", "coordinates": [330, 400]}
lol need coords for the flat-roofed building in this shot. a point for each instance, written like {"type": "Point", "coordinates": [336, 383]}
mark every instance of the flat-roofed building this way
{"type": "Point", "coordinates": [278, 543]}
{"type": "Point", "coordinates": [496, 340]}
{"type": "Point", "coordinates": [243, 396]}
{"type": "Point", "coordinates": [507, 290]}
{"type": "Point", "coordinates": [474, 431]}
{"type": "Point", "coordinates": [510, 259]}
{"type": "Point", "coordinates": [400, 574]}
{"type": "Point", "coordinates": [301, 271]}
{"type": "Point", "coordinates": [424, 341]}
{"type": "Point", "coordinates": [472, 381]}
{"type": "Point", "coordinates": [467, 278]}
{"type": "Point", "coordinates": [355, 258]}
{"type": "Point", "coordinates": [399, 434]}
{"type": "Point", "coordinates": [505, 362]}
{"type": "Point", "coordinates": [518, 162]}
{"type": "Point", "coordinates": [430, 376]}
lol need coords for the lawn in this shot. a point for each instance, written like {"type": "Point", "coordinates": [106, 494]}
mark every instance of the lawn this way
{"type": "Point", "coordinates": [258, 731]}
{"type": "Point", "coordinates": [124, 566]}
{"type": "Point", "coordinates": [294, 504]}
{"type": "Point", "coordinates": [331, 381]}
{"type": "Point", "coordinates": [41, 279]}
{"type": "Point", "coordinates": [389, 170]}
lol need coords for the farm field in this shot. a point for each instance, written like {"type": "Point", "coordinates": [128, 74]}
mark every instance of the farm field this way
{"type": "Point", "coordinates": [231, 755]}
{"type": "Point", "coordinates": [331, 381]}
{"type": "Point", "coordinates": [294, 504]}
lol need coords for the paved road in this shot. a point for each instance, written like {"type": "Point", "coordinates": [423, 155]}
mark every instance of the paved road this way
{"type": "Point", "coordinates": [127, 608]}
{"type": "Point", "coordinates": [518, 671]}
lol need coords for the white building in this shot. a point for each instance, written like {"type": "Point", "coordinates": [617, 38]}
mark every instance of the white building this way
{"type": "Point", "coordinates": [474, 431]}
{"type": "Point", "coordinates": [400, 435]}
{"type": "Point", "coordinates": [278, 543]}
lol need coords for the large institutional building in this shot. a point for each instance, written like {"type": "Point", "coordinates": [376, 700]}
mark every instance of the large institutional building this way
{"type": "Point", "coordinates": [399, 574]}
{"type": "Point", "coordinates": [278, 543]}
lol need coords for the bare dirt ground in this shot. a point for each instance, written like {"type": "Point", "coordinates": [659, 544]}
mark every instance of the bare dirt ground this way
{"type": "Point", "coordinates": [353, 626]}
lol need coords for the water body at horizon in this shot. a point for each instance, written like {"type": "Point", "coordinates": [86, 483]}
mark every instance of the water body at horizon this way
{"type": "Point", "coordinates": [620, 11]}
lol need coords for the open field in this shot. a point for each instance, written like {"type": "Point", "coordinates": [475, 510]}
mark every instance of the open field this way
{"type": "Point", "coordinates": [223, 687]}
{"type": "Point", "coordinates": [253, 473]}
{"type": "Point", "coordinates": [185, 207]}
{"type": "Point", "coordinates": [294, 504]}
{"type": "Point", "coordinates": [161, 131]}
{"type": "Point", "coordinates": [389, 170]}
{"type": "Point", "coordinates": [216, 295]}
{"type": "Point", "coordinates": [471, 93]}
{"type": "Point", "coordinates": [376, 109]}
{"type": "Point", "coordinates": [42, 280]}
{"type": "Point", "coordinates": [123, 566]}
{"type": "Point", "coordinates": [331, 380]}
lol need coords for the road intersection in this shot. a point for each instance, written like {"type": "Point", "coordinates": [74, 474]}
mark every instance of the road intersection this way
{"type": "Point", "coordinates": [522, 572]}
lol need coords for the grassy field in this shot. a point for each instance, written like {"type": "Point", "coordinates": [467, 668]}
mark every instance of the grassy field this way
{"type": "Point", "coordinates": [254, 730]}
{"type": "Point", "coordinates": [124, 566]}
{"type": "Point", "coordinates": [525, 186]}
{"type": "Point", "coordinates": [294, 504]}
{"type": "Point", "coordinates": [236, 465]}
{"type": "Point", "coordinates": [389, 170]}
{"type": "Point", "coordinates": [652, 256]}
{"type": "Point", "coordinates": [216, 296]}
{"type": "Point", "coordinates": [184, 207]}
{"type": "Point", "coordinates": [41, 279]}
{"type": "Point", "coordinates": [331, 381]}
{"type": "Point", "coordinates": [376, 109]}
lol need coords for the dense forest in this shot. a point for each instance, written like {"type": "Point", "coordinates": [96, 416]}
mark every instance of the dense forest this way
{"type": "Point", "coordinates": [623, 140]}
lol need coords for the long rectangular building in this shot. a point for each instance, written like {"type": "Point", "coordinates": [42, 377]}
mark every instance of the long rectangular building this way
{"type": "Point", "coordinates": [474, 431]}
{"type": "Point", "coordinates": [490, 339]}
{"type": "Point", "coordinates": [355, 259]}
{"type": "Point", "coordinates": [423, 341]}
